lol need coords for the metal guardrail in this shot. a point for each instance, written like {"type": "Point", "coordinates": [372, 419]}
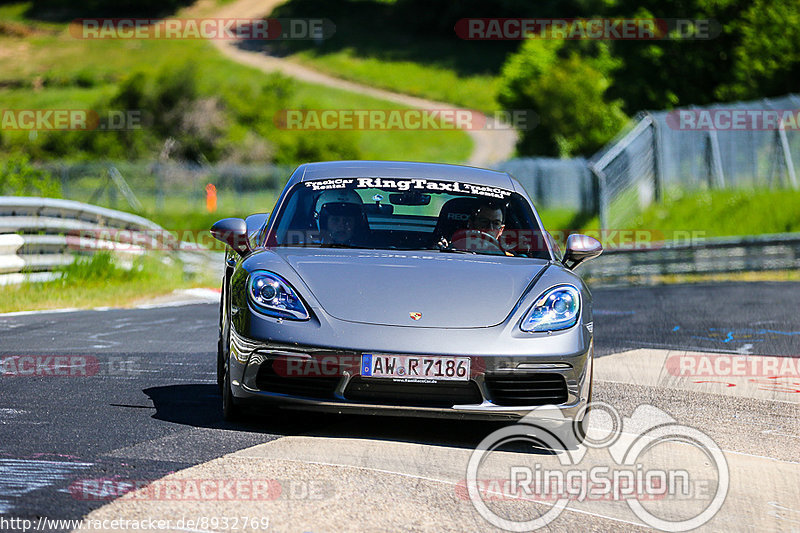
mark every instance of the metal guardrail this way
{"type": "Point", "coordinates": [708, 256]}
{"type": "Point", "coordinates": [39, 235]}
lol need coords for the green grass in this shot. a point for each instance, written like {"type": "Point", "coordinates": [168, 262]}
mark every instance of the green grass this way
{"type": "Point", "coordinates": [557, 219]}
{"type": "Point", "coordinates": [438, 146]}
{"type": "Point", "coordinates": [725, 213]}
{"type": "Point", "coordinates": [180, 215]}
{"type": "Point", "coordinates": [425, 81]}
{"type": "Point", "coordinates": [100, 281]}
{"type": "Point", "coordinates": [75, 73]}
{"type": "Point", "coordinates": [377, 43]}
{"type": "Point", "coordinates": [719, 213]}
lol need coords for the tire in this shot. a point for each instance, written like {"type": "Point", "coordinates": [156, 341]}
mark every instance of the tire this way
{"type": "Point", "coordinates": [231, 411]}
{"type": "Point", "coordinates": [582, 426]}
{"type": "Point", "coordinates": [223, 341]}
{"type": "Point", "coordinates": [220, 364]}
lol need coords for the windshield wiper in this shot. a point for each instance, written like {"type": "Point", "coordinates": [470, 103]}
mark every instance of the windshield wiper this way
{"type": "Point", "coordinates": [345, 246]}
{"type": "Point", "coordinates": [446, 250]}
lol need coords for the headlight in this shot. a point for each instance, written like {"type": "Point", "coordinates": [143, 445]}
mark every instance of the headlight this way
{"type": "Point", "coordinates": [273, 296]}
{"type": "Point", "coordinates": [556, 308]}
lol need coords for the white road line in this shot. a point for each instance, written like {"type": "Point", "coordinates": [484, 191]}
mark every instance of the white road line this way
{"type": "Point", "coordinates": [43, 311]}
{"type": "Point", "coordinates": [693, 392]}
{"type": "Point", "coordinates": [453, 483]}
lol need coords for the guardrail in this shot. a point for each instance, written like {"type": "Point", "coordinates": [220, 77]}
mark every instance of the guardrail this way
{"type": "Point", "coordinates": [39, 235]}
{"type": "Point", "coordinates": [708, 256]}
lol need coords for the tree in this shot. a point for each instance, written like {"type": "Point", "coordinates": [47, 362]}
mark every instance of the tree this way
{"type": "Point", "coordinates": [767, 57]}
{"type": "Point", "coordinates": [565, 84]}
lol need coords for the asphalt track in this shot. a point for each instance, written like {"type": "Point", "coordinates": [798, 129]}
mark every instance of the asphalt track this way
{"type": "Point", "coordinates": [150, 408]}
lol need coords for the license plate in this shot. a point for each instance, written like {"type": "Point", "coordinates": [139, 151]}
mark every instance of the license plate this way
{"type": "Point", "coordinates": [415, 367]}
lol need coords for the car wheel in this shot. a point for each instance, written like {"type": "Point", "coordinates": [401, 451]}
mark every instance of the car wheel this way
{"type": "Point", "coordinates": [223, 340]}
{"type": "Point", "coordinates": [220, 364]}
{"type": "Point", "coordinates": [582, 426]}
{"type": "Point", "coordinates": [230, 410]}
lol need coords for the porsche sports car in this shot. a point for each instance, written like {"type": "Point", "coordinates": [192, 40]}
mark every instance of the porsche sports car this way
{"type": "Point", "coordinates": [405, 289]}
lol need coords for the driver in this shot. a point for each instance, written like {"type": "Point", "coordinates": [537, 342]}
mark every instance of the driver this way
{"type": "Point", "coordinates": [488, 218]}
{"type": "Point", "coordinates": [483, 231]}
{"type": "Point", "coordinates": [340, 216]}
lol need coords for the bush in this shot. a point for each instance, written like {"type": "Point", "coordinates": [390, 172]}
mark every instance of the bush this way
{"type": "Point", "coordinates": [565, 85]}
{"type": "Point", "coordinates": [19, 178]}
{"type": "Point", "coordinates": [233, 123]}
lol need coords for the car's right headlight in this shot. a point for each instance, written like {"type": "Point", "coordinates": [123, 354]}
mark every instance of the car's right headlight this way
{"type": "Point", "coordinates": [557, 308]}
{"type": "Point", "coordinates": [272, 295]}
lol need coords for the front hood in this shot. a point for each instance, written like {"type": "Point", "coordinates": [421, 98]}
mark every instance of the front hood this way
{"type": "Point", "coordinates": [385, 287]}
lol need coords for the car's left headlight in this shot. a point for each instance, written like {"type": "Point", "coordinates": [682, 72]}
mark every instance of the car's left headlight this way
{"type": "Point", "coordinates": [557, 308]}
{"type": "Point", "coordinates": [272, 295]}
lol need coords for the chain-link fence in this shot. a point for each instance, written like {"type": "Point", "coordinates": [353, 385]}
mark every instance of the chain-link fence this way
{"type": "Point", "coordinates": [736, 145]}
{"type": "Point", "coordinates": [147, 187]}
{"type": "Point", "coordinates": [555, 183]}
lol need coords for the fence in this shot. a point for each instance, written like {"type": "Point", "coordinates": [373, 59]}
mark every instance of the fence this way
{"type": "Point", "coordinates": [720, 146]}
{"type": "Point", "coordinates": [556, 183]}
{"type": "Point", "coordinates": [39, 235]}
{"type": "Point", "coordinates": [151, 186]}
{"type": "Point", "coordinates": [719, 255]}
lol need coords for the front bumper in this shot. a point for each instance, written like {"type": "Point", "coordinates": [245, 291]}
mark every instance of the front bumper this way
{"type": "Point", "coordinates": [498, 388]}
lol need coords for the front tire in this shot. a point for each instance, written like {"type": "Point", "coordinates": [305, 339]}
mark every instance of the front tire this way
{"type": "Point", "coordinates": [220, 364]}
{"type": "Point", "coordinates": [231, 411]}
{"type": "Point", "coordinates": [583, 426]}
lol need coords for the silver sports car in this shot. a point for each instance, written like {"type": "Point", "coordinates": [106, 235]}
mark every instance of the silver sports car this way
{"type": "Point", "coordinates": [406, 289]}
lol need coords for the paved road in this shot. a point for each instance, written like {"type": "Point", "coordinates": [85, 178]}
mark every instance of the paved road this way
{"type": "Point", "coordinates": [149, 407]}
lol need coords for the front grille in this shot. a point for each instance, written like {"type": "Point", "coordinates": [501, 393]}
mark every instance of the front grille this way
{"type": "Point", "coordinates": [321, 387]}
{"type": "Point", "coordinates": [526, 389]}
{"type": "Point", "coordinates": [388, 392]}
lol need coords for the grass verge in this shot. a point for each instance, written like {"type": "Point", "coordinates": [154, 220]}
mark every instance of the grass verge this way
{"type": "Point", "coordinates": [99, 280]}
{"type": "Point", "coordinates": [721, 213]}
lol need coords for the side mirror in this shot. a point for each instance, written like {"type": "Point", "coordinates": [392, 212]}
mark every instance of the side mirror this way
{"type": "Point", "coordinates": [581, 248]}
{"type": "Point", "coordinates": [233, 232]}
{"type": "Point", "coordinates": [255, 224]}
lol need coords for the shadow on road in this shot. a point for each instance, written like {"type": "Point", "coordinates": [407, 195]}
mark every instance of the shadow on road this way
{"type": "Point", "coordinates": [200, 406]}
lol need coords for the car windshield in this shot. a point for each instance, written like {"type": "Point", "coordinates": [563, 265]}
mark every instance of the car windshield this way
{"type": "Point", "coordinates": [408, 214]}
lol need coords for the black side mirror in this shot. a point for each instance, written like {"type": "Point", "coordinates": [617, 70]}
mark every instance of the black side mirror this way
{"type": "Point", "coordinates": [255, 222]}
{"type": "Point", "coordinates": [581, 248]}
{"type": "Point", "coordinates": [233, 232]}
{"type": "Point", "coordinates": [255, 226]}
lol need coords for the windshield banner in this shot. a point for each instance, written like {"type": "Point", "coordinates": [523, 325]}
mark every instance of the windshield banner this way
{"type": "Point", "coordinates": [402, 184]}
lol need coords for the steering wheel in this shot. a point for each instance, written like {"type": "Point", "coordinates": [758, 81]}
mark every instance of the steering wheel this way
{"type": "Point", "coordinates": [475, 240]}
